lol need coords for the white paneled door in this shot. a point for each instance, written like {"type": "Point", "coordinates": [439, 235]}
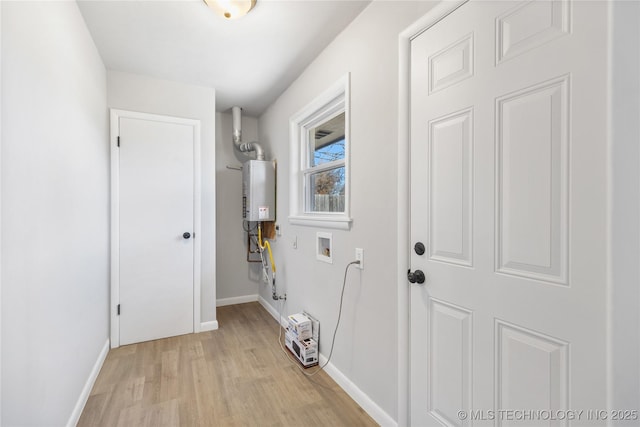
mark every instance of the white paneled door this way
{"type": "Point", "coordinates": [508, 198]}
{"type": "Point", "coordinates": [155, 227]}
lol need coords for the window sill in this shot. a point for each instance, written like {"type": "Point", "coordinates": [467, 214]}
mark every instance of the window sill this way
{"type": "Point", "coordinates": [335, 222]}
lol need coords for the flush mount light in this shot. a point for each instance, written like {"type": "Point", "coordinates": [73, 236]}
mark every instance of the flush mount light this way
{"type": "Point", "coordinates": [231, 9]}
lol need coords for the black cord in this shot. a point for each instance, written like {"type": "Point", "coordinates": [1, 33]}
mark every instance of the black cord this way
{"type": "Point", "coordinates": [335, 331]}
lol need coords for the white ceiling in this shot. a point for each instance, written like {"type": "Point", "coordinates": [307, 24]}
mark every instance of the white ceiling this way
{"type": "Point", "coordinates": [249, 61]}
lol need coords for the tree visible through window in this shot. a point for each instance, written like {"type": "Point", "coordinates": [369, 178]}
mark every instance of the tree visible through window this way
{"type": "Point", "coordinates": [326, 167]}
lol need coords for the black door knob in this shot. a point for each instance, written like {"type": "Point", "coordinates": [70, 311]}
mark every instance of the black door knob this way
{"type": "Point", "coordinates": [186, 235]}
{"type": "Point", "coordinates": [419, 248]}
{"type": "Point", "coordinates": [416, 277]}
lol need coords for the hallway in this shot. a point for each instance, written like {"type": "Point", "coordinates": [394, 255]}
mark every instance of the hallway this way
{"type": "Point", "coordinates": [236, 375]}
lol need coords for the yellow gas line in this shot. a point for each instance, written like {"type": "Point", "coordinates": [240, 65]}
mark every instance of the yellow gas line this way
{"type": "Point", "coordinates": [266, 246]}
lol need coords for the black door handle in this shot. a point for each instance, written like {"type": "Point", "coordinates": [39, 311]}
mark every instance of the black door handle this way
{"type": "Point", "coordinates": [186, 235]}
{"type": "Point", "coordinates": [416, 277]}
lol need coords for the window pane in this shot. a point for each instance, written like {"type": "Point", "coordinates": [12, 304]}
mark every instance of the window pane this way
{"type": "Point", "coordinates": [327, 191]}
{"type": "Point", "coordinates": [327, 141]}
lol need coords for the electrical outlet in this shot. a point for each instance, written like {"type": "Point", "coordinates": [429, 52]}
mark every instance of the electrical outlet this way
{"type": "Point", "coordinates": [360, 257]}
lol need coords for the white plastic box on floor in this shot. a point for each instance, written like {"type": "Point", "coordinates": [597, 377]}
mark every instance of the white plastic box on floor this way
{"type": "Point", "coordinates": [306, 351]}
{"type": "Point", "coordinates": [300, 326]}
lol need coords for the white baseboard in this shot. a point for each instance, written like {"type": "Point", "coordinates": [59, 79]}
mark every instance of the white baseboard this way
{"type": "Point", "coordinates": [236, 300]}
{"type": "Point", "coordinates": [376, 412]}
{"type": "Point", "coordinates": [272, 311]}
{"type": "Point", "coordinates": [84, 395]}
{"type": "Point", "coordinates": [209, 326]}
{"type": "Point", "coordinates": [361, 398]}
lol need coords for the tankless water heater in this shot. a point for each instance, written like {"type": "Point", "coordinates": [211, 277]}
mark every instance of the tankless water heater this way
{"type": "Point", "coordinates": [258, 191]}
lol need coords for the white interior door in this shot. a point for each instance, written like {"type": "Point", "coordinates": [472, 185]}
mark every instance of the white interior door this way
{"type": "Point", "coordinates": [508, 196]}
{"type": "Point", "coordinates": [156, 227]}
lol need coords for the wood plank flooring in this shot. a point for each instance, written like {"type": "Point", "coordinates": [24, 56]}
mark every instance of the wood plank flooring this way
{"type": "Point", "coordinates": [235, 376]}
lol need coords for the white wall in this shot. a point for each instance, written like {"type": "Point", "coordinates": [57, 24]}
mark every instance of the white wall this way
{"type": "Point", "coordinates": [55, 211]}
{"type": "Point", "coordinates": [236, 281]}
{"type": "Point", "coordinates": [624, 295]}
{"type": "Point", "coordinates": [149, 95]}
{"type": "Point", "coordinates": [366, 344]}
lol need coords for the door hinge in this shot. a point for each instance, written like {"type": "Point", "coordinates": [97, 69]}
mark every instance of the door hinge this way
{"type": "Point", "coordinates": [118, 141]}
{"type": "Point", "coordinates": [118, 309]}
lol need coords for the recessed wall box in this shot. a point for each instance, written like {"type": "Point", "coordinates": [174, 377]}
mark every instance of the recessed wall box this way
{"type": "Point", "coordinates": [258, 191]}
{"type": "Point", "coordinates": [324, 247]}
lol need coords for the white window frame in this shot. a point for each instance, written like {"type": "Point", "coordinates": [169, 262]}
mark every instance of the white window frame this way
{"type": "Point", "coordinates": [329, 104]}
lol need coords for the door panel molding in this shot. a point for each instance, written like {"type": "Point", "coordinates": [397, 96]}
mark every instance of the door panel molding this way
{"type": "Point", "coordinates": [449, 331]}
{"type": "Point", "coordinates": [530, 25]}
{"type": "Point", "coordinates": [541, 149]}
{"type": "Point", "coordinates": [115, 116]}
{"type": "Point", "coordinates": [450, 160]}
{"type": "Point", "coordinates": [519, 354]}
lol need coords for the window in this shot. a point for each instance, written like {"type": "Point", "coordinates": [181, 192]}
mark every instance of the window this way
{"type": "Point", "coordinates": [320, 160]}
{"type": "Point", "coordinates": [324, 173]}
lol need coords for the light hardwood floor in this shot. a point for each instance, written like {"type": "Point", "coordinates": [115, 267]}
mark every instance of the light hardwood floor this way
{"type": "Point", "coordinates": [235, 376]}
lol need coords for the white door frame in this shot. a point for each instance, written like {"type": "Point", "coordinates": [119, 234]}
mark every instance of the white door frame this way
{"type": "Point", "coordinates": [115, 214]}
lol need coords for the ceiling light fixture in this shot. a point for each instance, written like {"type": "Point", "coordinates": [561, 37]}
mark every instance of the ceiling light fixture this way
{"type": "Point", "coordinates": [231, 9]}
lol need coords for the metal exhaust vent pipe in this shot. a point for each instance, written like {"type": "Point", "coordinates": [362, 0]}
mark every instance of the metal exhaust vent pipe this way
{"type": "Point", "coordinates": [244, 147]}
